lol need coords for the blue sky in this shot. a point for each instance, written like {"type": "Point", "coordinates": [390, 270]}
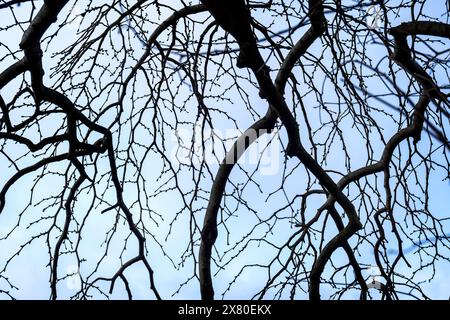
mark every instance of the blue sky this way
{"type": "Point", "coordinates": [30, 273]}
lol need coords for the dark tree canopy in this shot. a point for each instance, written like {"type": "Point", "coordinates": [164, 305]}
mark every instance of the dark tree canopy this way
{"type": "Point", "coordinates": [225, 148]}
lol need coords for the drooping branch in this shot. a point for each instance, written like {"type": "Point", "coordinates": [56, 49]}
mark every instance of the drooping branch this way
{"type": "Point", "coordinates": [31, 45]}
{"type": "Point", "coordinates": [276, 101]}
